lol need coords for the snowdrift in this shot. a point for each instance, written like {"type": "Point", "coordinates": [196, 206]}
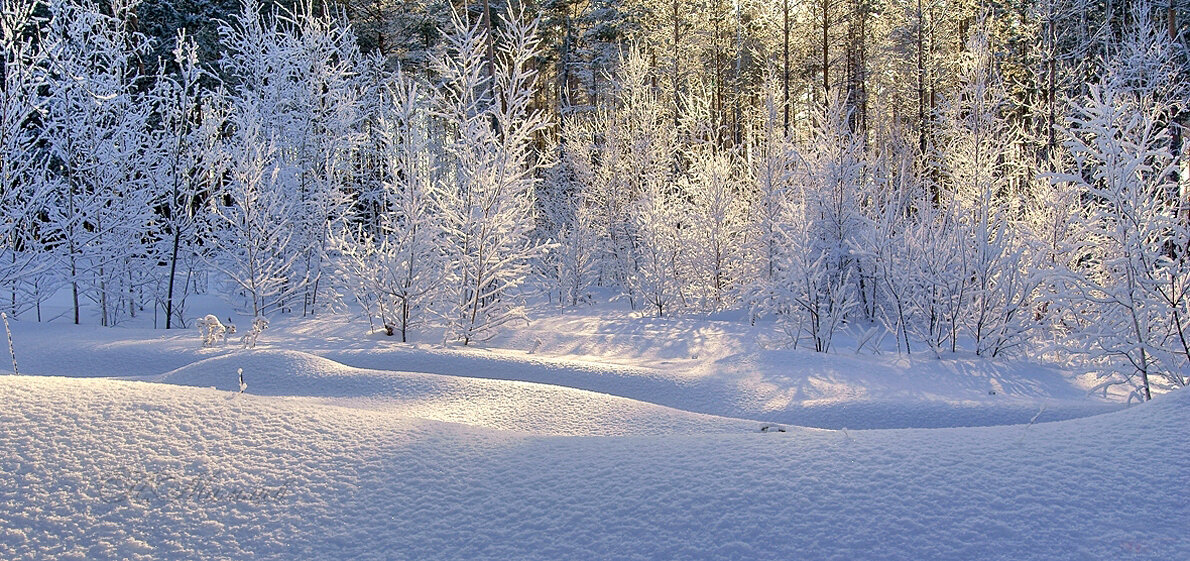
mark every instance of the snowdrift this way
{"type": "Point", "coordinates": [497, 404]}
{"type": "Point", "coordinates": [712, 368]}
{"type": "Point", "coordinates": [108, 469]}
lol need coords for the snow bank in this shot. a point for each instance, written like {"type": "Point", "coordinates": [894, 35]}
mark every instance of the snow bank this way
{"type": "Point", "coordinates": [704, 366]}
{"type": "Point", "coordinates": [105, 469]}
{"type": "Point", "coordinates": [497, 404]}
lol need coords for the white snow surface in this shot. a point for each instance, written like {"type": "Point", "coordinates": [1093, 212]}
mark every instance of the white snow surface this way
{"type": "Point", "coordinates": [497, 404]}
{"type": "Point", "coordinates": [584, 436]}
{"type": "Point", "coordinates": [700, 365]}
{"type": "Point", "coordinates": [106, 469]}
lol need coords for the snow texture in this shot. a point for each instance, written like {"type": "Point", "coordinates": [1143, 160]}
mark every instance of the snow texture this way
{"type": "Point", "coordinates": [368, 484]}
{"type": "Point", "coordinates": [697, 365]}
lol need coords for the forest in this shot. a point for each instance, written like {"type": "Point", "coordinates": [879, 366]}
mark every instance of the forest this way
{"type": "Point", "coordinates": [997, 178]}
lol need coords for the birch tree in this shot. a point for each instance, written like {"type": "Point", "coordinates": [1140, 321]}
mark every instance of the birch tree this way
{"type": "Point", "coordinates": [23, 182]}
{"type": "Point", "coordinates": [1126, 278]}
{"type": "Point", "coordinates": [489, 178]}
{"type": "Point", "coordinates": [97, 132]}
{"type": "Point", "coordinates": [396, 272]}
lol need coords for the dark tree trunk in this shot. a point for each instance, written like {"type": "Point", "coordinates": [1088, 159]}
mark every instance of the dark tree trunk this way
{"type": "Point", "coordinates": [785, 74]}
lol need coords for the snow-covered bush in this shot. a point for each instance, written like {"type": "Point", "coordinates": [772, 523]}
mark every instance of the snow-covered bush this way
{"type": "Point", "coordinates": [1125, 279]}
{"type": "Point", "coordinates": [248, 341]}
{"type": "Point", "coordinates": [886, 243]}
{"type": "Point", "coordinates": [212, 331]}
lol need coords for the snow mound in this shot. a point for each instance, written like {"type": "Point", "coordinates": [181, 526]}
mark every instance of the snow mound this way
{"type": "Point", "coordinates": [108, 469]}
{"type": "Point", "coordinates": [274, 372]}
{"type": "Point", "coordinates": [496, 404]}
{"type": "Point", "coordinates": [701, 366]}
{"type": "Point", "coordinates": [801, 388]}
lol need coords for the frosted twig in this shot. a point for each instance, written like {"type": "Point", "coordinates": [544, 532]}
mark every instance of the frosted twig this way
{"type": "Point", "coordinates": [1031, 421]}
{"type": "Point", "coordinates": [1034, 419]}
{"type": "Point", "coordinates": [11, 350]}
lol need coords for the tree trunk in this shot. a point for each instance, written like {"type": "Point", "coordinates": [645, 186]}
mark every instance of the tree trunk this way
{"type": "Point", "coordinates": [921, 81]}
{"type": "Point", "coordinates": [826, 80]}
{"type": "Point", "coordinates": [677, 94]}
{"type": "Point", "coordinates": [785, 74]}
{"type": "Point", "coordinates": [173, 270]}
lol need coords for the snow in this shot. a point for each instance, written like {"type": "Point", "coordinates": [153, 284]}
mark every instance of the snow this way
{"type": "Point", "coordinates": [711, 366]}
{"type": "Point", "coordinates": [374, 484]}
{"type": "Point", "coordinates": [591, 435]}
{"type": "Point", "coordinates": [318, 181]}
{"type": "Point", "coordinates": [497, 404]}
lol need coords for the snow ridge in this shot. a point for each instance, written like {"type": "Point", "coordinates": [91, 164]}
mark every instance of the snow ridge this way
{"type": "Point", "coordinates": [84, 455]}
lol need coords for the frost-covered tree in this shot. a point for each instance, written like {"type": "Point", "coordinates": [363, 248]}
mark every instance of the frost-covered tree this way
{"type": "Point", "coordinates": [888, 240]}
{"type": "Point", "coordinates": [715, 227]}
{"type": "Point", "coordinates": [644, 154]}
{"type": "Point", "coordinates": [22, 167]}
{"type": "Point", "coordinates": [295, 72]}
{"type": "Point", "coordinates": [395, 273]}
{"type": "Point", "coordinates": [567, 217]}
{"type": "Point", "coordinates": [1125, 279]}
{"type": "Point", "coordinates": [657, 216]}
{"type": "Point", "coordinates": [1121, 263]}
{"type": "Point", "coordinates": [771, 164]}
{"type": "Point", "coordinates": [489, 173]}
{"type": "Point", "coordinates": [596, 159]}
{"type": "Point", "coordinates": [989, 242]}
{"type": "Point", "coordinates": [825, 223]}
{"type": "Point", "coordinates": [322, 117]}
{"type": "Point", "coordinates": [249, 244]}
{"type": "Point", "coordinates": [370, 168]}
{"type": "Point", "coordinates": [97, 132]}
{"type": "Point", "coordinates": [939, 276]}
{"type": "Point", "coordinates": [186, 139]}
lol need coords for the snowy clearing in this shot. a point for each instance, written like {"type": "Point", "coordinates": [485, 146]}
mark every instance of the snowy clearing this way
{"type": "Point", "coordinates": [697, 365]}
{"type": "Point", "coordinates": [105, 469]}
{"type": "Point", "coordinates": [627, 279]}
{"type": "Point", "coordinates": [561, 444]}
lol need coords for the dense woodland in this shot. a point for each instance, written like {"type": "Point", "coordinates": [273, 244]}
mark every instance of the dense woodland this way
{"type": "Point", "coordinates": [996, 178]}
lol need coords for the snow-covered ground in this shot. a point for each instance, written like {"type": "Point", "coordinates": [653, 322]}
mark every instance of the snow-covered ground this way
{"type": "Point", "coordinates": [104, 469]}
{"type": "Point", "coordinates": [714, 366]}
{"type": "Point", "coordinates": [592, 435]}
